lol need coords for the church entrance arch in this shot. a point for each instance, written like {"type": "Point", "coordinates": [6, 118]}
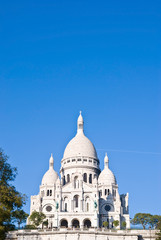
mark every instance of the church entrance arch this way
{"type": "Point", "coordinates": [87, 223]}
{"type": "Point", "coordinates": [64, 223]}
{"type": "Point", "coordinates": [75, 223]}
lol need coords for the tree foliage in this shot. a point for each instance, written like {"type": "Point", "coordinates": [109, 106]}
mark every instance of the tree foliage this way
{"type": "Point", "coordinates": [105, 224]}
{"type": "Point", "coordinates": [141, 218]}
{"type": "Point", "coordinates": [29, 226]}
{"type": "Point", "coordinates": [158, 234]}
{"type": "Point", "coordinates": [124, 224]}
{"type": "Point", "coordinates": [19, 216]}
{"type": "Point", "coordinates": [37, 218]}
{"type": "Point", "coordinates": [10, 199]}
{"type": "Point", "coordinates": [116, 223]}
{"type": "Point", "coordinates": [154, 221]}
{"type": "Point", "coordinates": [146, 219]}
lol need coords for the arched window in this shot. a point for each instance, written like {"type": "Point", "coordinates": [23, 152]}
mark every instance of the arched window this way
{"type": "Point", "coordinates": [64, 223]}
{"type": "Point", "coordinates": [65, 204]}
{"type": "Point", "coordinates": [105, 191]}
{"type": "Point", "coordinates": [87, 201]}
{"type": "Point", "coordinates": [87, 207]}
{"type": "Point", "coordinates": [50, 192]}
{"type": "Point", "coordinates": [75, 223]}
{"type": "Point", "coordinates": [64, 181]}
{"type": "Point", "coordinates": [87, 223]}
{"type": "Point", "coordinates": [65, 208]}
{"type": "Point", "coordinates": [85, 177]}
{"type": "Point", "coordinates": [76, 182]}
{"type": "Point", "coordinates": [76, 198]}
{"type": "Point", "coordinates": [68, 178]}
{"type": "Point", "coordinates": [90, 178]}
{"type": "Point", "coordinates": [108, 191]}
{"type": "Point", "coordinates": [47, 193]}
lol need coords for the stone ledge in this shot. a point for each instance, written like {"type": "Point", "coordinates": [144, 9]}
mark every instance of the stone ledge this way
{"type": "Point", "coordinates": [82, 234]}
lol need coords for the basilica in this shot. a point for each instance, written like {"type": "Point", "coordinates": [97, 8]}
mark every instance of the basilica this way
{"type": "Point", "coordinates": [83, 196]}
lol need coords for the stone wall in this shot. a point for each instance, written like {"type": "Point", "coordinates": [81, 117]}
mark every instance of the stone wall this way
{"type": "Point", "coordinates": [81, 234]}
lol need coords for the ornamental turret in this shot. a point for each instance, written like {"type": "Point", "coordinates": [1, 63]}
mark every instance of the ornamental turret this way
{"type": "Point", "coordinates": [80, 123]}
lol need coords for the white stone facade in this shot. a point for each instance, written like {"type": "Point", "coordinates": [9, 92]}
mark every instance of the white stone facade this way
{"type": "Point", "coordinates": [80, 234]}
{"type": "Point", "coordinates": [84, 196]}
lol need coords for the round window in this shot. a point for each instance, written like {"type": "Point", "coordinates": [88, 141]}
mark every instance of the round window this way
{"type": "Point", "coordinates": [107, 208]}
{"type": "Point", "coordinates": [48, 208]}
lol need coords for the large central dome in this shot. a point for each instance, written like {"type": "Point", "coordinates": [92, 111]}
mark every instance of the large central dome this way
{"type": "Point", "coordinates": [80, 145]}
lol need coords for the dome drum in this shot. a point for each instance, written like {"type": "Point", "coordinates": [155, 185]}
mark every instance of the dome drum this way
{"type": "Point", "coordinates": [81, 162]}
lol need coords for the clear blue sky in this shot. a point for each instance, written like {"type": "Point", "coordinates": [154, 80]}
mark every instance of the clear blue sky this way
{"type": "Point", "coordinates": [101, 57]}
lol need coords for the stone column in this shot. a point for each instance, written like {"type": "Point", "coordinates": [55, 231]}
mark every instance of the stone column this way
{"type": "Point", "coordinates": [72, 205]}
{"type": "Point", "coordinates": [81, 205]}
{"type": "Point", "coordinates": [62, 205]}
{"type": "Point", "coordinates": [96, 220]}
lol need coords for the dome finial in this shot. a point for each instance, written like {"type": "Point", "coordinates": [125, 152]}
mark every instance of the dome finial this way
{"type": "Point", "coordinates": [106, 161]}
{"type": "Point", "coordinates": [80, 123]}
{"type": "Point", "coordinates": [51, 161]}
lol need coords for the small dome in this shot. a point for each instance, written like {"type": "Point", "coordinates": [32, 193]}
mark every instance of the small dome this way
{"type": "Point", "coordinates": [80, 145]}
{"type": "Point", "coordinates": [50, 177]}
{"type": "Point", "coordinates": [106, 177]}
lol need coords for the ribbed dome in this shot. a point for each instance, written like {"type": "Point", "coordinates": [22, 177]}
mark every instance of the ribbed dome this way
{"type": "Point", "coordinates": [80, 145]}
{"type": "Point", "coordinates": [107, 177]}
{"type": "Point", "coordinates": [50, 177]}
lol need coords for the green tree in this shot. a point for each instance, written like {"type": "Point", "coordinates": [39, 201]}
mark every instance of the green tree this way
{"type": "Point", "coordinates": [158, 234]}
{"type": "Point", "coordinates": [105, 224]}
{"type": "Point", "coordinates": [141, 218]}
{"type": "Point", "coordinates": [37, 218]}
{"type": "Point", "coordinates": [116, 223]}
{"type": "Point", "coordinates": [154, 220]}
{"type": "Point", "coordinates": [20, 217]}
{"type": "Point", "coordinates": [28, 226]}
{"type": "Point", "coordinates": [10, 199]}
{"type": "Point", "coordinates": [123, 224]}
